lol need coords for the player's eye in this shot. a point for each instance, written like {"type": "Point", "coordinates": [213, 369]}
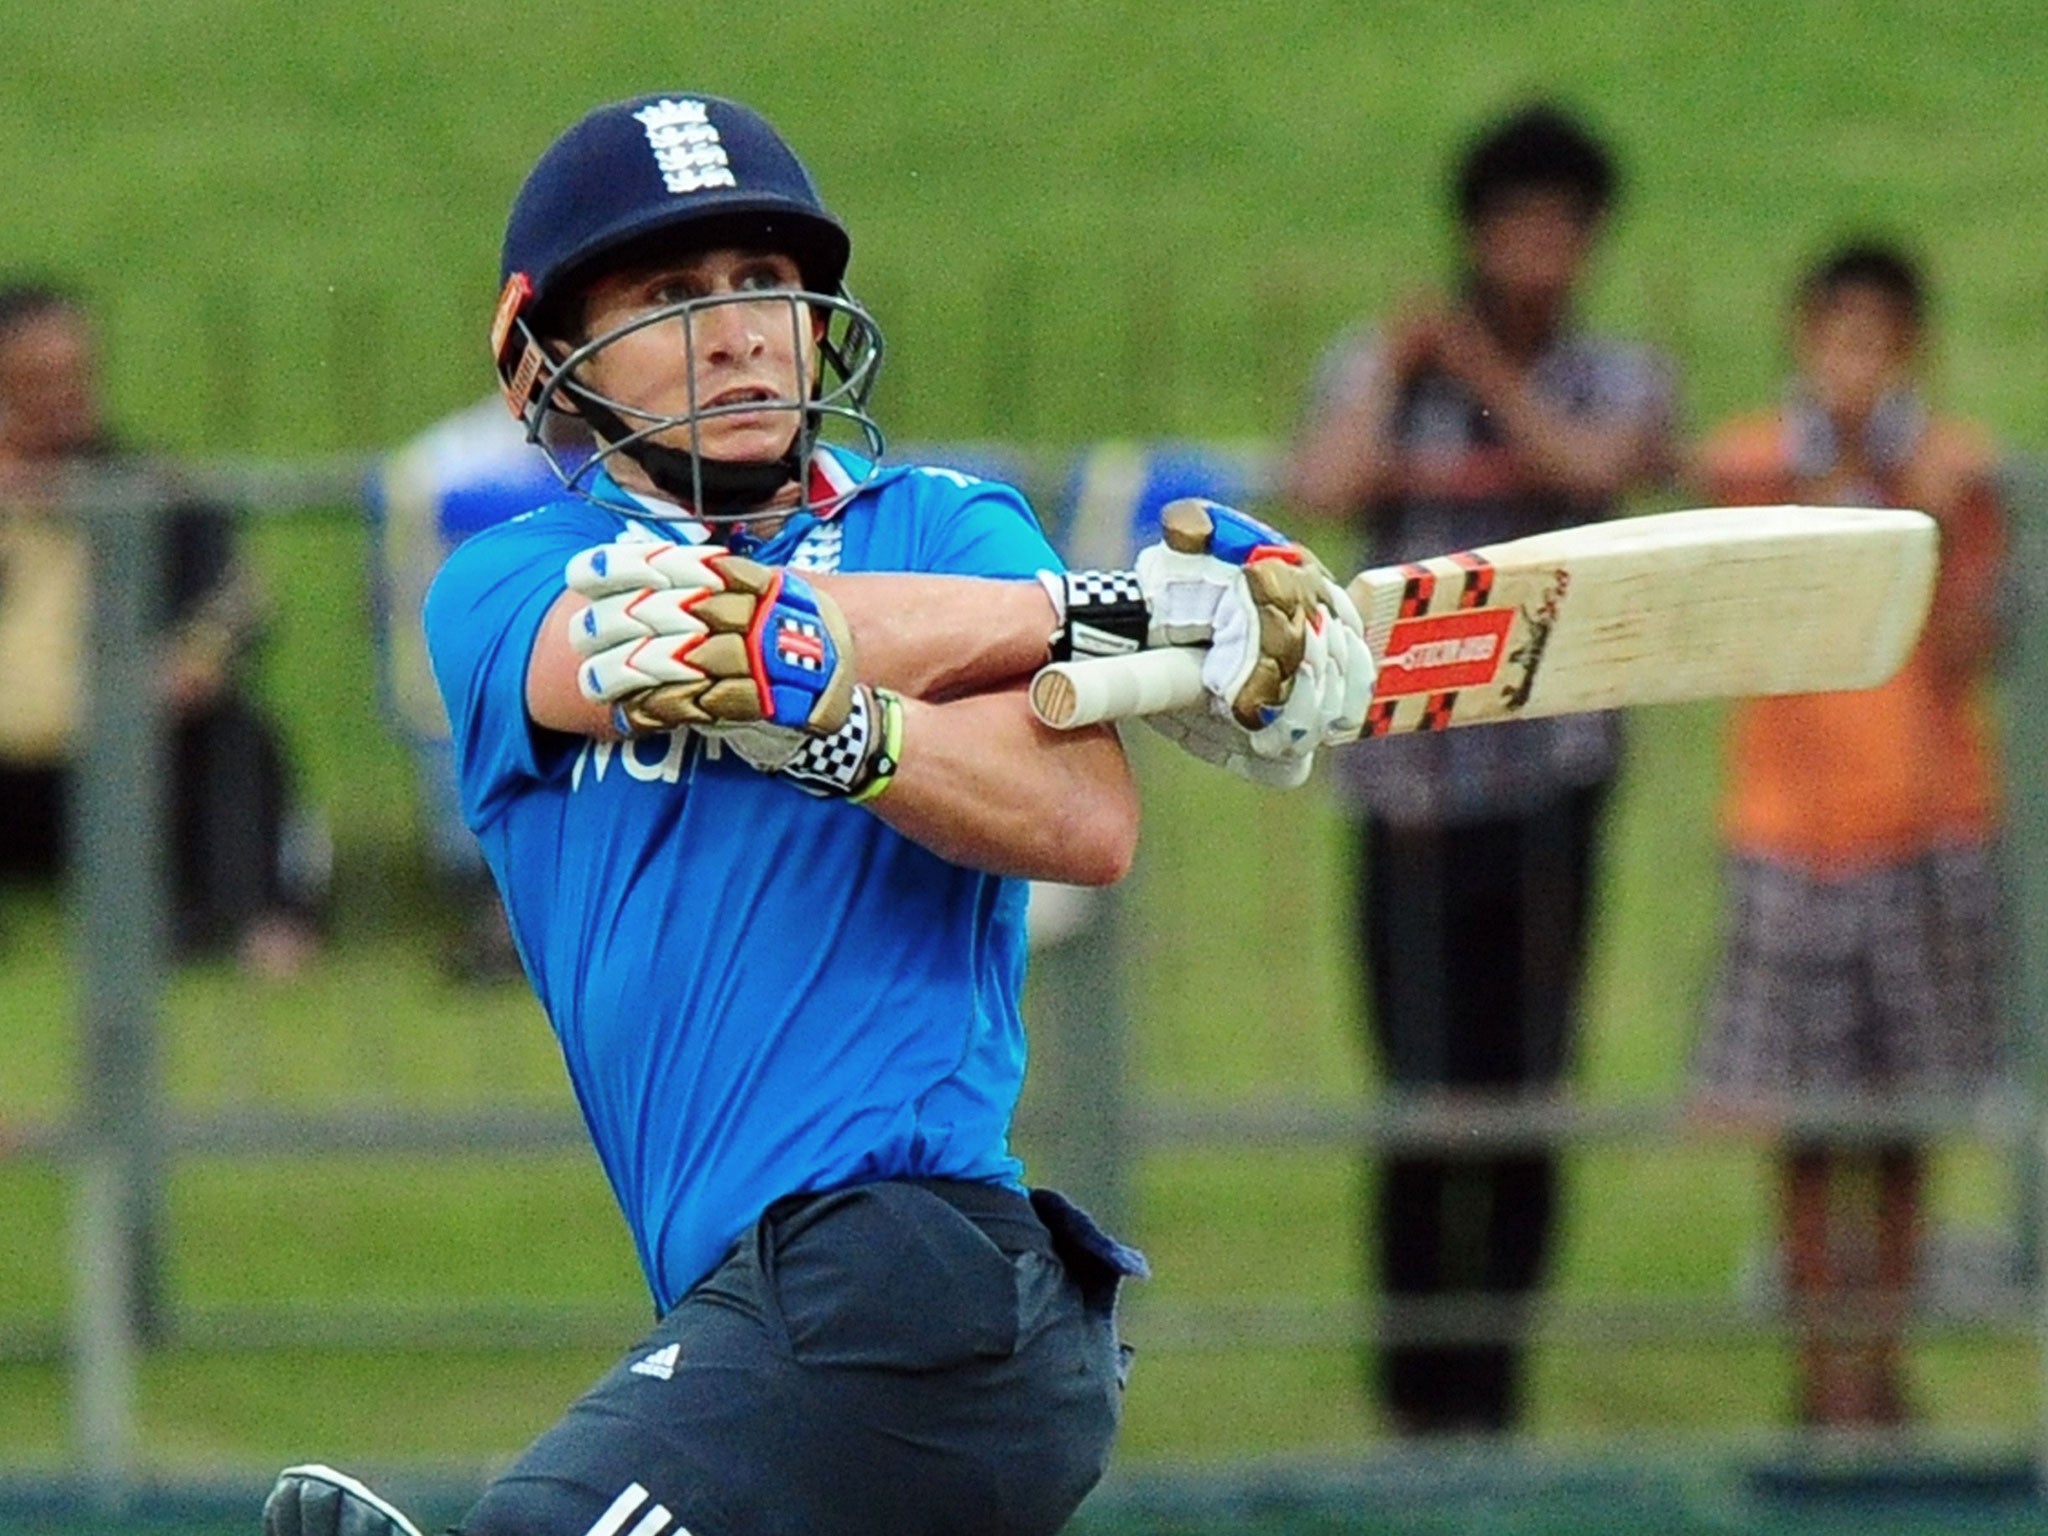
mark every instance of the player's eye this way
{"type": "Point", "coordinates": [766, 275]}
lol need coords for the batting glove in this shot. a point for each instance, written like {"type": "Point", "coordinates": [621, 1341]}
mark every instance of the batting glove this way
{"type": "Point", "coordinates": [1226, 581]}
{"type": "Point", "coordinates": [1346, 686]}
{"type": "Point", "coordinates": [1325, 705]}
{"type": "Point", "coordinates": [682, 635]}
{"type": "Point", "coordinates": [856, 762]}
{"type": "Point", "coordinates": [1285, 658]}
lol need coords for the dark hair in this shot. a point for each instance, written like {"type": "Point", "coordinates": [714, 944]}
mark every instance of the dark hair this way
{"type": "Point", "coordinates": [1541, 148]}
{"type": "Point", "coordinates": [1874, 264]}
{"type": "Point", "coordinates": [22, 301]}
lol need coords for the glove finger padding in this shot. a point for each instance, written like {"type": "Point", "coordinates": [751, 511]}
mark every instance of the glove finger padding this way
{"type": "Point", "coordinates": [1228, 580]}
{"type": "Point", "coordinates": [1254, 672]}
{"type": "Point", "coordinates": [1350, 693]}
{"type": "Point", "coordinates": [1295, 724]}
{"type": "Point", "coordinates": [642, 564]}
{"type": "Point", "coordinates": [1356, 672]}
{"type": "Point", "coordinates": [1219, 740]}
{"type": "Point", "coordinates": [791, 672]}
{"type": "Point", "coordinates": [625, 618]}
{"type": "Point", "coordinates": [683, 635]}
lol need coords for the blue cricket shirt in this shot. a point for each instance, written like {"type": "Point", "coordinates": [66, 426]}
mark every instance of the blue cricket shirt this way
{"type": "Point", "coordinates": [757, 993]}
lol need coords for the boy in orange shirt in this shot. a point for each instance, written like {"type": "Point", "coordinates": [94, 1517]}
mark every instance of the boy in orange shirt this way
{"type": "Point", "coordinates": [1863, 948]}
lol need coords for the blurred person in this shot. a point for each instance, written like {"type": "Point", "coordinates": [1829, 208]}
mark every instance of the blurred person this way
{"type": "Point", "coordinates": [1466, 418]}
{"type": "Point", "coordinates": [248, 866]}
{"type": "Point", "coordinates": [468, 471]}
{"type": "Point", "coordinates": [1862, 950]}
{"type": "Point", "coordinates": [742, 728]}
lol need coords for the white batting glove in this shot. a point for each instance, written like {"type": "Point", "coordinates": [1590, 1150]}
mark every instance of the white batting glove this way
{"type": "Point", "coordinates": [1348, 688]}
{"type": "Point", "coordinates": [1326, 704]}
{"type": "Point", "coordinates": [693, 635]}
{"type": "Point", "coordinates": [1228, 581]}
{"type": "Point", "coordinates": [1218, 739]}
{"type": "Point", "coordinates": [1218, 579]}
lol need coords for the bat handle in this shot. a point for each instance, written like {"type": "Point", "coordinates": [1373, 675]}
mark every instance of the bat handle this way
{"type": "Point", "coordinates": [1070, 694]}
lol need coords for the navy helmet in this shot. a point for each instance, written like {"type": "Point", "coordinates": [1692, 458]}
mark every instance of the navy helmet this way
{"type": "Point", "coordinates": [674, 172]}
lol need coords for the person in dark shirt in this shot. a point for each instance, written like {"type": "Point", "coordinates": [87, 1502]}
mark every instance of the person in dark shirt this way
{"type": "Point", "coordinates": [1464, 420]}
{"type": "Point", "coordinates": [248, 874]}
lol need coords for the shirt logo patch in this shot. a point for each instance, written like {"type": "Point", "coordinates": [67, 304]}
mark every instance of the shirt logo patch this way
{"type": "Point", "coordinates": [686, 145]}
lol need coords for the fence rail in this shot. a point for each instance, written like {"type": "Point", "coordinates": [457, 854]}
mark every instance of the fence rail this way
{"type": "Point", "coordinates": [122, 1137]}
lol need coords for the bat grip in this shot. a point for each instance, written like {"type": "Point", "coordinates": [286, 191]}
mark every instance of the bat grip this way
{"type": "Point", "coordinates": [1070, 694]}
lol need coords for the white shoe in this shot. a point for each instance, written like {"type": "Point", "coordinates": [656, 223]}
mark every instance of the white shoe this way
{"type": "Point", "coordinates": [313, 1500]}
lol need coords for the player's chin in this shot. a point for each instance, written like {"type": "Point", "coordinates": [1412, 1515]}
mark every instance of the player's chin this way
{"type": "Point", "coordinates": [748, 440]}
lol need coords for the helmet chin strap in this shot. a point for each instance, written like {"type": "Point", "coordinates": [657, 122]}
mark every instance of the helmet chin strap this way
{"type": "Point", "coordinates": [717, 490]}
{"type": "Point", "coordinates": [714, 490]}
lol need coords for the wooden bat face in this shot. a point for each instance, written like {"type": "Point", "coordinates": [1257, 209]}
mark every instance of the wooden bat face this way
{"type": "Point", "coordinates": [1460, 628]}
{"type": "Point", "coordinates": [1682, 605]}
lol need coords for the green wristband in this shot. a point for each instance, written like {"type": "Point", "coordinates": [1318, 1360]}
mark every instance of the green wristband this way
{"type": "Point", "coordinates": [889, 756]}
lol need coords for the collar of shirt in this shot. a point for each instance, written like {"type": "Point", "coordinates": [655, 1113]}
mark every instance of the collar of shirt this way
{"type": "Point", "coordinates": [829, 483]}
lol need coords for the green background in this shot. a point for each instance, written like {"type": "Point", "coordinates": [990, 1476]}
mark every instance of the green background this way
{"type": "Point", "coordinates": [1075, 221]}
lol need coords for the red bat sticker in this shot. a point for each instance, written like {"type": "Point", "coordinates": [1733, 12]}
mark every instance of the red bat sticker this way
{"type": "Point", "coordinates": [1444, 652]}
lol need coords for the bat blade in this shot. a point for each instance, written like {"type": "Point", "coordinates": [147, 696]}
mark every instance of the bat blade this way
{"type": "Point", "coordinates": [1721, 603]}
{"type": "Point", "coordinates": [1717, 603]}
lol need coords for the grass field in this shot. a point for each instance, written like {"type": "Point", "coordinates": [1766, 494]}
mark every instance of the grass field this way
{"type": "Point", "coordinates": [1074, 220]}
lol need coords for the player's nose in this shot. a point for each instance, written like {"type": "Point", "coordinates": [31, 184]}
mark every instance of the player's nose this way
{"type": "Point", "coordinates": [730, 332]}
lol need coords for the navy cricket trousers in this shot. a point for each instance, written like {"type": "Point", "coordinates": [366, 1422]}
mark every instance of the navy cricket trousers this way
{"type": "Point", "coordinates": [916, 1358]}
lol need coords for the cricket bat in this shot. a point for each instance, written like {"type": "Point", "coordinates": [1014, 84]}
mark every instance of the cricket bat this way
{"type": "Point", "coordinates": [1722, 603]}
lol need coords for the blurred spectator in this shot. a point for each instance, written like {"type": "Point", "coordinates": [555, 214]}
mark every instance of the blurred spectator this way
{"type": "Point", "coordinates": [249, 871]}
{"type": "Point", "coordinates": [1862, 948]}
{"type": "Point", "coordinates": [1470, 417]}
{"type": "Point", "coordinates": [462, 474]}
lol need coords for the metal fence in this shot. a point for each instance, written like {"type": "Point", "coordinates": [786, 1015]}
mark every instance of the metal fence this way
{"type": "Point", "coordinates": [1089, 1124]}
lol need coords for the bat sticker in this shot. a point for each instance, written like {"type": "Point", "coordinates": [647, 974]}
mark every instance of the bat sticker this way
{"type": "Point", "coordinates": [1444, 652]}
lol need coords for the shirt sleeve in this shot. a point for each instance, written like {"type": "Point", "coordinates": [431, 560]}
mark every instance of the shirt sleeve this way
{"type": "Point", "coordinates": [981, 528]}
{"type": "Point", "coordinates": [482, 615]}
{"type": "Point", "coordinates": [1656, 407]}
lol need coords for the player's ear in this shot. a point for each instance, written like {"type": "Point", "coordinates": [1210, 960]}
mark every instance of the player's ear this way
{"type": "Point", "coordinates": [567, 430]}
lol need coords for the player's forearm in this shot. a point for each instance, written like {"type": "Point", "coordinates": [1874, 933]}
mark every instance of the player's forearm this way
{"type": "Point", "coordinates": [941, 637]}
{"type": "Point", "coordinates": [984, 785]}
{"type": "Point", "coordinates": [927, 637]}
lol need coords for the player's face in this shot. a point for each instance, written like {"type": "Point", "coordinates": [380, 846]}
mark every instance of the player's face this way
{"type": "Point", "coordinates": [1853, 346]}
{"type": "Point", "coordinates": [49, 386]}
{"type": "Point", "coordinates": [1529, 249]}
{"type": "Point", "coordinates": [718, 357]}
